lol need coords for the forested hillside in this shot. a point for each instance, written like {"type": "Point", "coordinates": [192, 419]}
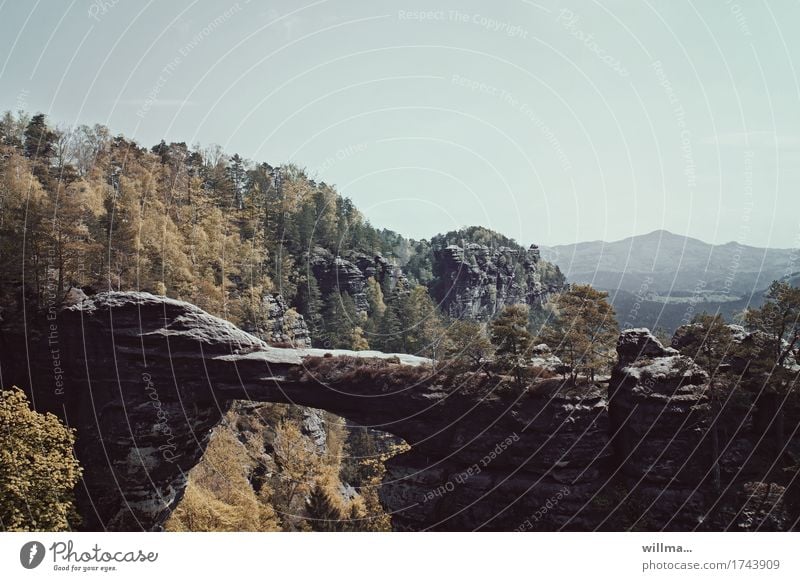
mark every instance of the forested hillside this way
{"type": "Point", "coordinates": [100, 211]}
{"type": "Point", "coordinates": [282, 256]}
{"type": "Point", "coordinates": [81, 207]}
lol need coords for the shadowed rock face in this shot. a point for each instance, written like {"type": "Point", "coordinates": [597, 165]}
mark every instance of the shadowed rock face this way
{"type": "Point", "coordinates": [282, 324]}
{"type": "Point", "coordinates": [349, 274]}
{"type": "Point", "coordinates": [149, 377]}
{"type": "Point", "coordinates": [689, 462]}
{"type": "Point", "coordinates": [476, 282]}
{"type": "Point", "coordinates": [146, 379]}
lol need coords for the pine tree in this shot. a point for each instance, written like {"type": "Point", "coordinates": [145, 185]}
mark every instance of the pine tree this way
{"type": "Point", "coordinates": [512, 340]}
{"type": "Point", "coordinates": [340, 317]}
{"type": "Point", "coordinates": [219, 495]}
{"type": "Point", "coordinates": [39, 139]}
{"type": "Point", "coordinates": [374, 298]}
{"type": "Point", "coordinates": [466, 347]}
{"type": "Point", "coordinates": [324, 514]}
{"type": "Point", "coordinates": [390, 330]}
{"type": "Point", "coordinates": [584, 331]}
{"type": "Point", "coordinates": [709, 341]}
{"type": "Point", "coordinates": [420, 321]}
{"type": "Point", "coordinates": [779, 321]}
{"type": "Point", "coordinates": [299, 467]}
{"type": "Point", "coordinates": [309, 303]}
{"type": "Point", "coordinates": [237, 173]}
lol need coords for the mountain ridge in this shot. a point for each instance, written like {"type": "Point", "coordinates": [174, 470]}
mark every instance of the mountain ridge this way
{"type": "Point", "coordinates": [662, 232]}
{"type": "Point", "coordinates": [661, 279]}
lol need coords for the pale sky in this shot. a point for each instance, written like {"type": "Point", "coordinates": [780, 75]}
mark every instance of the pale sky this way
{"type": "Point", "coordinates": [551, 122]}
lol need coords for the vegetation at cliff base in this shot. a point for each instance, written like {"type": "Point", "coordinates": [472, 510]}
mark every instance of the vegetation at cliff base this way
{"type": "Point", "coordinates": [263, 471]}
{"type": "Point", "coordinates": [38, 470]}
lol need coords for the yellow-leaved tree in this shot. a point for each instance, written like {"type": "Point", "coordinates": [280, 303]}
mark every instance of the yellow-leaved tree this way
{"type": "Point", "coordinates": [219, 495]}
{"type": "Point", "coordinates": [38, 469]}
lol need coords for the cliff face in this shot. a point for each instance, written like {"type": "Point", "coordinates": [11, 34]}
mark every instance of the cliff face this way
{"type": "Point", "coordinates": [147, 378]}
{"type": "Point", "coordinates": [350, 273]}
{"type": "Point", "coordinates": [689, 457]}
{"type": "Point", "coordinates": [476, 281]}
{"type": "Point", "coordinates": [282, 325]}
{"type": "Point", "coordinates": [530, 465]}
{"type": "Point", "coordinates": [469, 281]}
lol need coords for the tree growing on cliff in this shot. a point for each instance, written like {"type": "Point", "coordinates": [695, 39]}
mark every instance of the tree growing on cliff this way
{"type": "Point", "coordinates": [38, 469]}
{"type": "Point", "coordinates": [512, 340]}
{"type": "Point", "coordinates": [777, 325]}
{"type": "Point", "coordinates": [420, 322]}
{"type": "Point", "coordinates": [584, 330]}
{"type": "Point", "coordinates": [219, 496]}
{"type": "Point", "coordinates": [389, 336]}
{"type": "Point", "coordinates": [309, 302]}
{"type": "Point", "coordinates": [466, 347]}
{"type": "Point", "coordinates": [709, 341]}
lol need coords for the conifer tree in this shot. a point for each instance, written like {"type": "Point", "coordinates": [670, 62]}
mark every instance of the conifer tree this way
{"type": "Point", "coordinates": [340, 317]}
{"type": "Point", "coordinates": [324, 514]}
{"type": "Point", "coordinates": [512, 340]}
{"type": "Point", "coordinates": [778, 320]}
{"type": "Point", "coordinates": [584, 331]}
{"type": "Point", "coordinates": [390, 329]}
{"type": "Point", "coordinates": [466, 347]}
{"type": "Point", "coordinates": [309, 302]}
{"type": "Point", "coordinates": [39, 146]}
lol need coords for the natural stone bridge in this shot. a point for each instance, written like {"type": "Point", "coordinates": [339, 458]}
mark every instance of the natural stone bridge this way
{"type": "Point", "coordinates": [146, 378]}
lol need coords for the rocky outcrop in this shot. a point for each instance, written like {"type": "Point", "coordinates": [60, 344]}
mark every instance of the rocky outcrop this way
{"type": "Point", "coordinates": [470, 281]}
{"type": "Point", "coordinates": [659, 414]}
{"type": "Point", "coordinates": [543, 357]}
{"type": "Point", "coordinates": [349, 274]}
{"type": "Point", "coordinates": [685, 457]}
{"type": "Point", "coordinates": [145, 379]}
{"type": "Point", "coordinates": [741, 342]}
{"type": "Point", "coordinates": [531, 465]}
{"type": "Point", "coordinates": [640, 345]}
{"type": "Point", "coordinates": [475, 281]}
{"type": "Point", "coordinates": [282, 325]}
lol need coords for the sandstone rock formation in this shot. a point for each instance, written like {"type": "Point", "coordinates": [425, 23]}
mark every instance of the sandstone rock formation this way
{"type": "Point", "coordinates": [282, 325]}
{"type": "Point", "coordinates": [470, 281]}
{"type": "Point", "coordinates": [542, 356]}
{"type": "Point", "coordinates": [475, 281]}
{"type": "Point", "coordinates": [145, 379]}
{"type": "Point", "coordinates": [685, 463]}
{"type": "Point", "coordinates": [740, 337]}
{"type": "Point", "coordinates": [350, 273]}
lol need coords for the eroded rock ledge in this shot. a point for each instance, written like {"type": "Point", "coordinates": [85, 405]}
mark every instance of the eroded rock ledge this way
{"type": "Point", "coordinates": [147, 378]}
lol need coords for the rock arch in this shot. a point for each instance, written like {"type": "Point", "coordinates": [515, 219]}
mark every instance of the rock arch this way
{"type": "Point", "coordinates": [144, 379]}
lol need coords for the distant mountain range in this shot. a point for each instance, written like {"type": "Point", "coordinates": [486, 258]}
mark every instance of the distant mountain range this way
{"type": "Point", "coordinates": [661, 279]}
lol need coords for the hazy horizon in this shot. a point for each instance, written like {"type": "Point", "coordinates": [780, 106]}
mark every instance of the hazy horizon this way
{"type": "Point", "coordinates": [548, 122]}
